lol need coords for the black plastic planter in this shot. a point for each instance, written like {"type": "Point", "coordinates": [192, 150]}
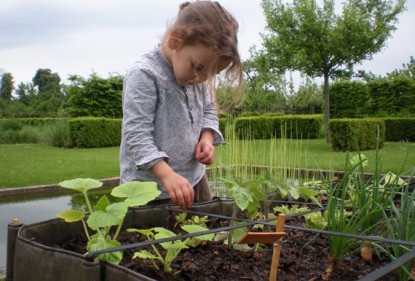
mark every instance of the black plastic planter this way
{"type": "Point", "coordinates": [32, 255]}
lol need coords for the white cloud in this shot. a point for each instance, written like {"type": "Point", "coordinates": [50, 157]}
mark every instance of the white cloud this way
{"type": "Point", "coordinates": [107, 36]}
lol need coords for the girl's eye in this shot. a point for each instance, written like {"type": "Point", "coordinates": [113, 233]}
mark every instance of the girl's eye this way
{"type": "Point", "coordinates": [198, 68]}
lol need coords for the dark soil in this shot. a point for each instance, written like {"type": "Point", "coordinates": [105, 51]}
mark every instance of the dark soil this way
{"type": "Point", "coordinates": [303, 257]}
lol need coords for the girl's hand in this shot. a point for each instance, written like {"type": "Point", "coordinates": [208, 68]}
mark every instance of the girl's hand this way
{"type": "Point", "coordinates": [205, 151]}
{"type": "Point", "coordinates": [179, 189]}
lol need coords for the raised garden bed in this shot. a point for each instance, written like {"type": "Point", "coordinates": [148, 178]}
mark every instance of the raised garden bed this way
{"type": "Point", "coordinates": [54, 250]}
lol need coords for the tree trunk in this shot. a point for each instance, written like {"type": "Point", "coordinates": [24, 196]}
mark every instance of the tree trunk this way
{"type": "Point", "coordinates": [326, 107]}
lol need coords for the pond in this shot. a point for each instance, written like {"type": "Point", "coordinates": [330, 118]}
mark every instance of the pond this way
{"type": "Point", "coordinates": [36, 209]}
{"type": "Point", "coordinates": [28, 211]}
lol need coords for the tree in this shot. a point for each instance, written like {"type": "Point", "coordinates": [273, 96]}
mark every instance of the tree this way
{"type": "Point", "coordinates": [307, 100]}
{"type": "Point", "coordinates": [320, 43]}
{"type": "Point", "coordinates": [50, 97]}
{"type": "Point", "coordinates": [408, 70]}
{"type": "Point", "coordinates": [46, 81]}
{"type": "Point", "coordinates": [265, 88]}
{"type": "Point", "coordinates": [25, 93]}
{"type": "Point", "coordinates": [94, 96]}
{"type": "Point", "coordinates": [6, 86]}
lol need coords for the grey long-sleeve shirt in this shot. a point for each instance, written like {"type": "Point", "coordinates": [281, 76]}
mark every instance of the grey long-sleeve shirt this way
{"type": "Point", "coordinates": [162, 120]}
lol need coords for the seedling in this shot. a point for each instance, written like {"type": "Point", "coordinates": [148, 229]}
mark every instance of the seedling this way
{"type": "Point", "coordinates": [105, 215]}
{"type": "Point", "coordinates": [172, 248]}
{"type": "Point", "coordinates": [181, 219]}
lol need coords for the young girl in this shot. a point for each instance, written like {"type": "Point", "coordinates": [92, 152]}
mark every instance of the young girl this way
{"type": "Point", "coordinates": [170, 122]}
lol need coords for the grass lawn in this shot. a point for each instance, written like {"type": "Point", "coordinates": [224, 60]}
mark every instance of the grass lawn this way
{"type": "Point", "coordinates": [35, 164]}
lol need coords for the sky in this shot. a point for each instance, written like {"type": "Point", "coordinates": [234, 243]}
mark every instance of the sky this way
{"type": "Point", "coordinates": [107, 36]}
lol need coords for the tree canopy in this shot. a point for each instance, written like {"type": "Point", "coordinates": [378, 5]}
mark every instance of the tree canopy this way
{"type": "Point", "coordinates": [320, 42]}
{"type": "Point", "coordinates": [6, 86]}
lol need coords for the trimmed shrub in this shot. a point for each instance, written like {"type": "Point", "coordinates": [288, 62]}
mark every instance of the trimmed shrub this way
{"type": "Point", "coordinates": [356, 134]}
{"type": "Point", "coordinates": [349, 99]}
{"type": "Point", "coordinates": [88, 132]}
{"type": "Point", "coordinates": [289, 126]}
{"type": "Point", "coordinates": [400, 129]}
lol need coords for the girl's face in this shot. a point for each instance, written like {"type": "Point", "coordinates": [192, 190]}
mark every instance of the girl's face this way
{"type": "Point", "coordinates": [191, 63]}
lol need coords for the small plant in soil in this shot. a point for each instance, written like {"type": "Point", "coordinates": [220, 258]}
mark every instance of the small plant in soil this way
{"type": "Point", "coordinates": [105, 215]}
{"type": "Point", "coordinates": [172, 248]}
{"type": "Point", "coordinates": [316, 220]}
{"type": "Point", "coordinates": [181, 219]}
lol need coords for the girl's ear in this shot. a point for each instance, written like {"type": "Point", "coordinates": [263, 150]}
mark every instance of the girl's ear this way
{"type": "Point", "coordinates": [173, 40]}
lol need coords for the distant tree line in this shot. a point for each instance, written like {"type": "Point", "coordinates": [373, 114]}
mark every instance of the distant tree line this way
{"type": "Point", "coordinates": [46, 96]}
{"type": "Point", "coordinates": [370, 95]}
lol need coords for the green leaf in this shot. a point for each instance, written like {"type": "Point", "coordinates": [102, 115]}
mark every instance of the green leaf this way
{"type": "Point", "coordinates": [197, 228]}
{"type": "Point", "coordinates": [99, 243]}
{"type": "Point", "coordinates": [359, 159]}
{"type": "Point", "coordinates": [242, 196]}
{"type": "Point", "coordinates": [309, 194]}
{"type": "Point", "coordinates": [102, 203]}
{"type": "Point", "coordinates": [141, 231]}
{"type": "Point", "coordinates": [71, 215]}
{"type": "Point", "coordinates": [113, 215]}
{"type": "Point", "coordinates": [144, 254]}
{"type": "Point", "coordinates": [162, 233]}
{"type": "Point", "coordinates": [137, 193]}
{"type": "Point", "coordinates": [294, 192]}
{"type": "Point", "coordinates": [81, 184]}
{"type": "Point", "coordinates": [239, 232]}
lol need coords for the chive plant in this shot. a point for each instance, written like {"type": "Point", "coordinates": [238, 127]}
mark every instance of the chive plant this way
{"type": "Point", "coordinates": [400, 225]}
{"type": "Point", "coordinates": [371, 197]}
{"type": "Point", "coordinates": [341, 219]}
{"type": "Point", "coordinates": [357, 206]}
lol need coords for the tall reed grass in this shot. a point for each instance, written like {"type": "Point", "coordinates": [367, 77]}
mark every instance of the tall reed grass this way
{"type": "Point", "coordinates": [281, 159]}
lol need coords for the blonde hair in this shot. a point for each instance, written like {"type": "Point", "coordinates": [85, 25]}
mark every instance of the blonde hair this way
{"type": "Point", "coordinates": [209, 24]}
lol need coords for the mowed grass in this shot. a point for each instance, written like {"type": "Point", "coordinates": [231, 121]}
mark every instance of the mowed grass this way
{"type": "Point", "coordinates": [37, 164]}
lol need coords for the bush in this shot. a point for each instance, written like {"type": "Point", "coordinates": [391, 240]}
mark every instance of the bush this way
{"type": "Point", "coordinates": [289, 126]}
{"type": "Point", "coordinates": [88, 132]}
{"type": "Point", "coordinates": [26, 134]}
{"type": "Point", "coordinates": [400, 129]}
{"type": "Point", "coordinates": [349, 99]}
{"type": "Point", "coordinates": [10, 125]}
{"type": "Point", "coordinates": [356, 134]}
{"type": "Point", "coordinates": [58, 134]}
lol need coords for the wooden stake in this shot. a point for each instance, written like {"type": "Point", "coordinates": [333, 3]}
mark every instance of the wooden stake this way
{"type": "Point", "coordinates": [268, 238]}
{"type": "Point", "coordinates": [277, 250]}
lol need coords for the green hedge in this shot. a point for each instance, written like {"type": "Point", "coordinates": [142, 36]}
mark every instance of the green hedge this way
{"type": "Point", "coordinates": [392, 97]}
{"type": "Point", "coordinates": [288, 126]}
{"type": "Point", "coordinates": [88, 132]}
{"type": "Point", "coordinates": [347, 134]}
{"type": "Point", "coordinates": [400, 129]}
{"type": "Point", "coordinates": [349, 99]}
{"type": "Point", "coordinates": [356, 134]}
{"type": "Point", "coordinates": [32, 121]}
{"type": "Point", "coordinates": [379, 97]}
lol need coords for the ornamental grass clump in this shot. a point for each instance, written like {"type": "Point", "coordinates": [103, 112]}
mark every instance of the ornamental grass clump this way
{"type": "Point", "coordinates": [99, 220]}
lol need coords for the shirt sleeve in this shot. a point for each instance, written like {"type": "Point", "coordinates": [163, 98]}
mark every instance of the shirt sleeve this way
{"type": "Point", "coordinates": [210, 118]}
{"type": "Point", "coordinates": [139, 105]}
